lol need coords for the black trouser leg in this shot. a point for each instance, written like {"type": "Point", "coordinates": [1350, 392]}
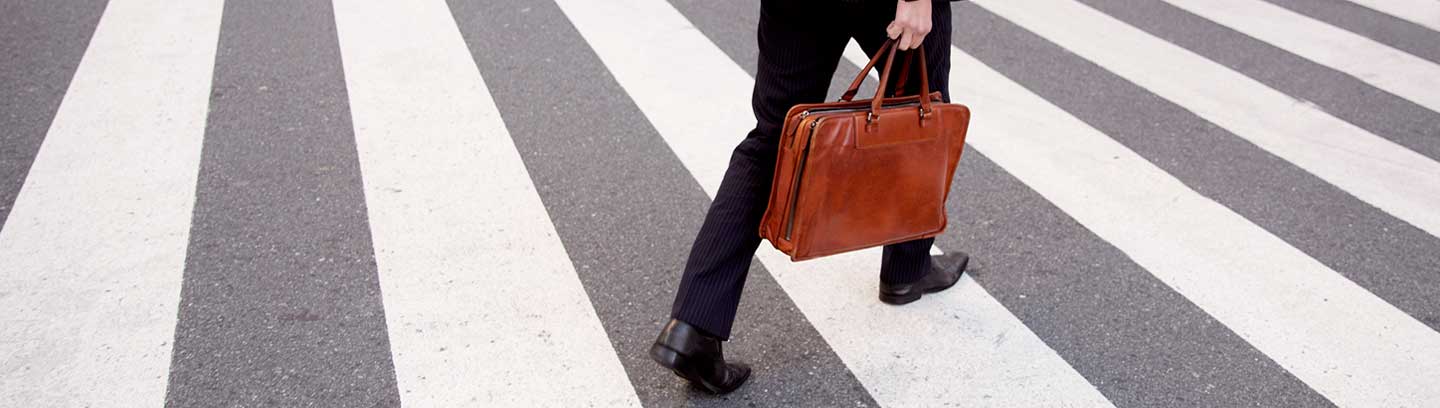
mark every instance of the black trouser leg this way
{"type": "Point", "coordinates": [720, 257]}
{"type": "Point", "coordinates": [797, 59]}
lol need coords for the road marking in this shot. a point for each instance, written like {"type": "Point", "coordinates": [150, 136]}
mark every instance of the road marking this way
{"type": "Point", "coordinates": [989, 356]}
{"type": "Point", "coordinates": [42, 47]}
{"type": "Point", "coordinates": [1377, 64]}
{"type": "Point", "coordinates": [1377, 171]}
{"type": "Point", "coordinates": [1283, 302]}
{"type": "Point", "coordinates": [1423, 12]}
{"type": "Point", "coordinates": [481, 299]}
{"type": "Point", "coordinates": [94, 250]}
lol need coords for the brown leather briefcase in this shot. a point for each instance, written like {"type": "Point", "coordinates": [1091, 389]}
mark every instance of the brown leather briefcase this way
{"type": "Point", "coordinates": [858, 174]}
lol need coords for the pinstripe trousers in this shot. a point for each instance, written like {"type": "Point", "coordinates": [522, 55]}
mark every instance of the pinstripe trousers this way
{"type": "Point", "coordinates": [800, 46]}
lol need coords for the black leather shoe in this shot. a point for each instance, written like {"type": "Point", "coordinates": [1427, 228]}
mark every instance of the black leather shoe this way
{"type": "Point", "coordinates": [937, 280]}
{"type": "Point", "coordinates": [698, 358]}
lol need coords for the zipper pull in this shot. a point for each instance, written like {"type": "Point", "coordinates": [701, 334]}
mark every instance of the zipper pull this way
{"type": "Point", "coordinates": [797, 133]}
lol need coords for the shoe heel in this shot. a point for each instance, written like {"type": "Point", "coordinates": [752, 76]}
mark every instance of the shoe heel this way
{"type": "Point", "coordinates": [678, 364]}
{"type": "Point", "coordinates": [899, 299]}
{"type": "Point", "coordinates": [666, 357]}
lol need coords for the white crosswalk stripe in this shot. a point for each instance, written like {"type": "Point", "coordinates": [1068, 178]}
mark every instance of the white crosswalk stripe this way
{"type": "Point", "coordinates": [888, 348]}
{"type": "Point", "coordinates": [1377, 64]}
{"type": "Point", "coordinates": [1287, 308]}
{"type": "Point", "coordinates": [1168, 229]}
{"type": "Point", "coordinates": [1423, 12]}
{"type": "Point", "coordinates": [1371, 168]}
{"type": "Point", "coordinates": [483, 305]}
{"type": "Point", "coordinates": [92, 255]}
{"type": "Point", "coordinates": [446, 244]}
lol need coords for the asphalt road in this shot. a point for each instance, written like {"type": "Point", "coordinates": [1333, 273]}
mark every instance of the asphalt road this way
{"type": "Point", "coordinates": [489, 203]}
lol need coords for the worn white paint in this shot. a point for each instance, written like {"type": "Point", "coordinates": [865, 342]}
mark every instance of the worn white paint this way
{"type": "Point", "coordinates": [1337, 337]}
{"type": "Point", "coordinates": [483, 304]}
{"type": "Point", "coordinates": [989, 357]}
{"type": "Point", "coordinates": [93, 253]}
{"type": "Point", "coordinates": [1379, 65]}
{"type": "Point", "coordinates": [1426, 13]}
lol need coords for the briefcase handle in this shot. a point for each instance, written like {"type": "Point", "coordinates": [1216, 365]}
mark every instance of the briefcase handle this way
{"type": "Point", "coordinates": [904, 75]}
{"type": "Point", "coordinates": [899, 83]}
{"type": "Point", "coordinates": [888, 51]}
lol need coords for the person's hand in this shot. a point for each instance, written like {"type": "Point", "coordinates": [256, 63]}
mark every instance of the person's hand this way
{"type": "Point", "coordinates": [912, 23]}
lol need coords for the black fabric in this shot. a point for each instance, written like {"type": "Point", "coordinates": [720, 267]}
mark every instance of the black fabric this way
{"type": "Point", "coordinates": [799, 50]}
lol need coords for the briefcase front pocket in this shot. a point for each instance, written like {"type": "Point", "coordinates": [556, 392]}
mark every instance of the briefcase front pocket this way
{"type": "Point", "coordinates": [852, 196]}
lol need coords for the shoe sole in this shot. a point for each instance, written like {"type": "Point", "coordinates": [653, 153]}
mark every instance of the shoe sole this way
{"type": "Point", "coordinates": [898, 300]}
{"type": "Point", "coordinates": [679, 364]}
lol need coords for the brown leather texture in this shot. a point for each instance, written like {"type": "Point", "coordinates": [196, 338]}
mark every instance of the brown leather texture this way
{"type": "Point", "coordinates": [856, 174]}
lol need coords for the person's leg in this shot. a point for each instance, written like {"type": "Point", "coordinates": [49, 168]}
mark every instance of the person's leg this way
{"type": "Point", "coordinates": [798, 55]}
{"type": "Point", "coordinates": [797, 58]}
{"type": "Point", "coordinates": [909, 261]}
{"type": "Point", "coordinates": [905, 262]}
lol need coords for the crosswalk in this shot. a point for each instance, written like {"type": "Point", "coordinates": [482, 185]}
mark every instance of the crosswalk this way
{"type": "Point", "coordinates": [1422, 12]}
{"type": "Point", "coordinates": [1152, 225]}
{"type": "Point", "coordinates": [92, 254]}
{"type": "Point", "coordinates": [1381, 66]}
{"type": "Point", "coordinates": [423, 121]}
{"type": "Point", "coordinates": [892, 363]}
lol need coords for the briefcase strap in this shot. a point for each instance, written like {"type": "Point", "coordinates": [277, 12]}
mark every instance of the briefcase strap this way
{"type": "Point", "coordinates": [888, 51]}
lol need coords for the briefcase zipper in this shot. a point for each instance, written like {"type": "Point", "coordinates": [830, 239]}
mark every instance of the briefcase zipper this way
{"type": "Point", "coordinates": [795, 185]}
{"type": "Point", "coordinates": [806, 113]}
{"type": "Point", "coordinates": [856, 108]}
{"type": "Point", "coordinates": [853, 108]}
{"type": "Point", "coordinates": [795, 135]}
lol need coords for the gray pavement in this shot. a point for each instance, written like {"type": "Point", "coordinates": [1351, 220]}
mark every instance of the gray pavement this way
{"type": "Point", "coordinates": [280, 304]}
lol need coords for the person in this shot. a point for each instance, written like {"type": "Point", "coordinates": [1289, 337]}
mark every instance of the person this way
{"type": "Point", "coordinates": [800, 43]}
